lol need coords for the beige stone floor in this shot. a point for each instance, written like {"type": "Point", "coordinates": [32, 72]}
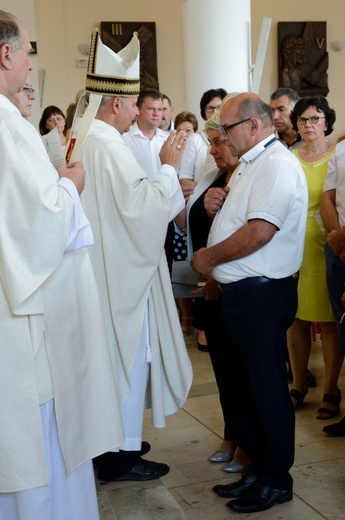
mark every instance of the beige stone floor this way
{"type": "Point", "coordinates": [193, 434]}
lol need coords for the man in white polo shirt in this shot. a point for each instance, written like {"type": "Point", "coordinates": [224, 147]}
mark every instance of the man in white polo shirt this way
{"type": "Point", "coordinates": [255, 246]}
{"type": "Point", "coordinates": [332, 209]}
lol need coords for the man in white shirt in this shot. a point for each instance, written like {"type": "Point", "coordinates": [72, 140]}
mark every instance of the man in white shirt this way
{"type": "Point", "coordinates": [145, 139]}
{"type": "Point", "coordinates": [254, 248]}
{"type": "Point", "coordinates": [332, 210]}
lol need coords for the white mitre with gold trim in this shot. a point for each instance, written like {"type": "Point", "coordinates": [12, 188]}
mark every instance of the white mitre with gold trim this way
{"type": "Point", "coordinates": [108, 74]}
{"type": "Point", "coordinates": [112, 74]}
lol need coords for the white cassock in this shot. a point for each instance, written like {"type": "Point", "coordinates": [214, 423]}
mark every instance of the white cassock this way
{"type": "Point", "coordinates": [129, 217]}
{"type": "Point", "coordinates": [54, 357]}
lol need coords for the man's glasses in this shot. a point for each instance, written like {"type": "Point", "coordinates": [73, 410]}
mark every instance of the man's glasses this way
{"type": "Point", "coordinates": [28, 90]}
{"type": "Point", "coordinates": [313, 120]}
{"type": "Point", "coordinates": [225, 129]}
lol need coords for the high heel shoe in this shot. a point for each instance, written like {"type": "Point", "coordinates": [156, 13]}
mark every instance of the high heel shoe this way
{"type": "Point", "coordinates": [298, 396]}
{"type": "Point", "coordinates": [235, 467]}
{"type": "Point", "coordinates": [327, 412]}
{"type": "Point", "coordinates": [201, 346]}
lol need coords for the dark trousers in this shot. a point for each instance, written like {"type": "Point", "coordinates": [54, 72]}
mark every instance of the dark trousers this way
{"type": "Point", "coordinates": [256, 321]}
{"type": "Point", "coordinates": [216, 340]}
{"type": "Point", "coordinates": [335, 274]}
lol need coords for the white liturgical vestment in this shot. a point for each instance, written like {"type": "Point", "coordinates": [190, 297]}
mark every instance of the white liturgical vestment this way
{"type": "Point", "coordinates": [52, 336]}
{"type": "Point", "coordinates": [129, 216]}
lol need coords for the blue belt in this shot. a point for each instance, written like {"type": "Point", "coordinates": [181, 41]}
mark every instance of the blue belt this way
{"type": "Point", "coordinates": [243, 284]}
{"type": "Point", "coordinates": [249, 282]}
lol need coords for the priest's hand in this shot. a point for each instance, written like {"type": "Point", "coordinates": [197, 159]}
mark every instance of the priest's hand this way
{"type": "Point", "coordinates": [173, 148]}
{"type": "Point", "coordinates": [75, 172]}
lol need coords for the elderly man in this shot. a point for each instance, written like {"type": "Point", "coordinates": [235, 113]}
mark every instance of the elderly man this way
{"type": "Point", "coordinates": [58, 399]}
{"type": "Point", "coordinates": [24, 98]}
{"type": "Point", "coordinates": [282, 102]}
{"type": "Point", "coordinates": [255, 246]}
{"type": "Point", "coordinates": [332, 209]}
{"type": "Point", "coordinates": [129, 214]}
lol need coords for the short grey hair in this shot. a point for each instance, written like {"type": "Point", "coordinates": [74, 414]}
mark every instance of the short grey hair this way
{"type": "Point", "coordinates": [105, 99]}
{"type": "Point", "coordinates": [9, 31]}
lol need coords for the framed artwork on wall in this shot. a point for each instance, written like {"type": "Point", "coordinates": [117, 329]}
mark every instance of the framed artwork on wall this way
{"type": "Point", "coordinates": [117, 35]}
{"type": "Point", "coordinates": [303, 58]}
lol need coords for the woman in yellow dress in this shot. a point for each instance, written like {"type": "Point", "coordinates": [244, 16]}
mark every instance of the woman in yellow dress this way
{"type": "Point", "coordinates": [313, 119]}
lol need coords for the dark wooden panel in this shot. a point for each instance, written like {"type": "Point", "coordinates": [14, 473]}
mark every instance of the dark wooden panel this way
{"type": "Point", "coordinates": [303, 58]}
{"type": "Point", "coordinates": [117, 35]}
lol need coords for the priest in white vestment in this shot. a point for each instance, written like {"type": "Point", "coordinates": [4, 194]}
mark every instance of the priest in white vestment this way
{"type": "Point", "coordinates": [129, 216]}
{"type": "Point", "coordinates": [58, 400]}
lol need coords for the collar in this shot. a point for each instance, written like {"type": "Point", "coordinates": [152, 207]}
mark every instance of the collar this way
{"type": "Point", "coordinates": [252, 154]}
{"type": "Point", "coordinates": [297, 140]}
{"type": "Point", "coordinates": [135, 130]}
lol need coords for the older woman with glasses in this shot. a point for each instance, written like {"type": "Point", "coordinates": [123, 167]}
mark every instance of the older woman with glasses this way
{"type": "Point", "coordinates": [313, 119]}
{"type": "Point", "coordinates": [196, 162]}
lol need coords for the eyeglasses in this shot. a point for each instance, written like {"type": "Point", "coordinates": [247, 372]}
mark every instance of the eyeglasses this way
{"type": "Point", "coordinates": [210, 109]}
{"type": "Point", "coordinates": [313, 120]}
{"type": "Point", "coordinates": [28, 90]}
{"type": "Point", "coordinates": [225, 129]}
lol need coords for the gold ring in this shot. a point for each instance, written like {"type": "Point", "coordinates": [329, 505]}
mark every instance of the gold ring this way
{"type": "Point", "coordinates": [179, 146]}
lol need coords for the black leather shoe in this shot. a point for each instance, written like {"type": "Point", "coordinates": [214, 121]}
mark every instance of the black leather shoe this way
{"type": "Point", "coordinates": [108, 457]}
{"type": "Point", "coordinates": [236, 489]}
{"type": "Point", "coordinates": [260, 498]}
{"type": "Point", "coordinates": [336, 429]}
{"type": "Point", "coordinates": [145, 448]}
{"type": "Point", "coordinates": [143, 470]}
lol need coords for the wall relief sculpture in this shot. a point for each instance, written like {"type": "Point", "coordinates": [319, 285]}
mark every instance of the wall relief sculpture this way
{"type": "Point", "coordinates": [303, 58]}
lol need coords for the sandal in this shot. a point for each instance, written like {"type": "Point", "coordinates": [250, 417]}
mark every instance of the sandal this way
{"type": "Point", "coordinates": [298, 396]}
{"type": "Point", "coordinates": [327, 412]}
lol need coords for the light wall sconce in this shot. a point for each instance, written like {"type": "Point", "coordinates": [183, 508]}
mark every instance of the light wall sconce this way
{"type": "Point", "coordinates": [84, 48]}
{"type": "Point", "coordinates": [337, 45]}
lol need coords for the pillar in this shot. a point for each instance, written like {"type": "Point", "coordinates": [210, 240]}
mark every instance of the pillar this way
{"type": "Point", "coordinates": [217, 47]}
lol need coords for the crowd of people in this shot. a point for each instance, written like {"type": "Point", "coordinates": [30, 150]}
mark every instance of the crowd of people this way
{"type": "Point", "coordinates": [91, 332]}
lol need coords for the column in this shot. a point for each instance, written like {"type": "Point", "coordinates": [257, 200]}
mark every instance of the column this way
{"type": "Point", "coordinates": [217, 47]}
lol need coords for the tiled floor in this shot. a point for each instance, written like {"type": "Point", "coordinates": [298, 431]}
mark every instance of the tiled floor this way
{"type": "Point", "coordinates": [193, 434]}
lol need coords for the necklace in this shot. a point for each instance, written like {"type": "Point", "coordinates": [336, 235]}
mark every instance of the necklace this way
{"type": "Point", "coordinates": [318, 152]}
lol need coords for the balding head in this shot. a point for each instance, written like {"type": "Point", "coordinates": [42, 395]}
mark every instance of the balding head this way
{"type": "Point", "coordinates": [252, 120]}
